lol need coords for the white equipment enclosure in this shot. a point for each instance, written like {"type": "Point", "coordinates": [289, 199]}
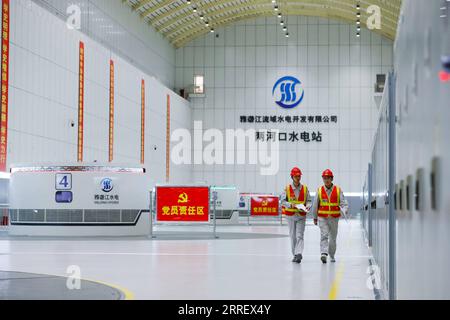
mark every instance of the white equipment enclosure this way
{"type": "Point", "coordinates": [227, 205]}
{"type": "Point", "coordinates": [79, 200]}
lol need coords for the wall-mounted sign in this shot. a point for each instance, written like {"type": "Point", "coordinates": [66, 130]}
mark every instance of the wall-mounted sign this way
{"type": "Point", "coordinates": [294, 136]}
{"type": "Point", "coordinates": [288, 92]}
{"type": "Point", "coordinates": [107, 185]}
{"type": "Point", "coordinates": [318, 119]}
{"type": "Point", "coordinates": [182, 204]}
{"type": "Point", "coordinates": [5, 85]}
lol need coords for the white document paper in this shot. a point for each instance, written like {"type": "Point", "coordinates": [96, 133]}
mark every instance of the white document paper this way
{"type": "Point", "coordinates": [344, 212]}
{"type": "Point", "coordinates": [302, 207]}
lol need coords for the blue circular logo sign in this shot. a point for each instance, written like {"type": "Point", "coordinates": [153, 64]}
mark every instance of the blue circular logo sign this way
{"type": "Point", "coordinates": [107, 185]}
{"type": "Point", "coordinates": [289, 92]}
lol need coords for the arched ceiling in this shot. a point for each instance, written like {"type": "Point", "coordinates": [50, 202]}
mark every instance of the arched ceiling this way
{"type": "Point", "coordinates": [177, 21]}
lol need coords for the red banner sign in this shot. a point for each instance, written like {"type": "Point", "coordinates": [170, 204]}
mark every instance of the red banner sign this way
{"type": "Point", "coordinates": [264, 206]}
{"type": "Point", "coordinates": [81, 103]}
{"type": "Point", "coordinates": [5, 84]}
{"type": "Point", "coordinates": [143, 121]}
{"type": "Point", "coordinates": [111, 111]}
{"type": "Point", "coordinates": [168, 130]}
{"type": "Point", "coordinates": [182, 204]}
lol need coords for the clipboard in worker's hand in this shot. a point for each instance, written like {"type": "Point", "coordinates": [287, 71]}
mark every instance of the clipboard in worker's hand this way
{"type": "Point", "coordinates": [344, 212]}
{"type": "Point", "coordinates": [302, 207]}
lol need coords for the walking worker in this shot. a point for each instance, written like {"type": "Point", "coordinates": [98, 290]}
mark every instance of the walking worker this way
{"type": "Point", "coordinates": [296, 195]}
{"type": "Point", "coordinates": [327, 207]}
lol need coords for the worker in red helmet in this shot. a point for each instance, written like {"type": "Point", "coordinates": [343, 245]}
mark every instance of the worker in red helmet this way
{"type": "Point", "coordinates": [328, 205]}
{"type": "Point", "coordinates": [296, 202]}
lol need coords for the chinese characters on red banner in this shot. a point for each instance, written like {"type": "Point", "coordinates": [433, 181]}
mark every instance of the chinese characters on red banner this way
{"type": "Point", "coordinates": [5, 84]}
{"type": "Point", "coordinates": [81, 103]}
{"type": "Point", "coordinates": [264, 206]}
{"type": "Point", "coordinates": [182, 204]}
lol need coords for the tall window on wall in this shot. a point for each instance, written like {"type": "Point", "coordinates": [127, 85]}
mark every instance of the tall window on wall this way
{"type": "Point", "coordinates": [199, 84]}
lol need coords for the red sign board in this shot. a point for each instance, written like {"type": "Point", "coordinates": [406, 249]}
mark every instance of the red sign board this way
{"type": "Point", "coordinates": [182, 204]}
{"type": "Point", "coordinates": [264, 206]}
{"type": "Point", "coordinates": [5, 85]}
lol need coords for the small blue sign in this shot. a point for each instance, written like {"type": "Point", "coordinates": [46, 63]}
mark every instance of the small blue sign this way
{"type": "Point", "coordinates": [289, 91]}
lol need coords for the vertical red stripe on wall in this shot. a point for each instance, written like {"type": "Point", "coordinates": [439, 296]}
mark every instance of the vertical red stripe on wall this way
{"type": "Point", "coordinates": [5, 84]}
{"type": "Point", "coordinates": [80, 104]}
{"type": "Point", "coordinates": [168, 141]}
{"type": "Point", "coordinates": [143, 121]}
{"type": "Point", "coordinates": [111, 111]}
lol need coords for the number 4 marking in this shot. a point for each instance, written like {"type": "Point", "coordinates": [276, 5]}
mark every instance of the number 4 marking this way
{"type": "Point", "coordinates": [64, 181]}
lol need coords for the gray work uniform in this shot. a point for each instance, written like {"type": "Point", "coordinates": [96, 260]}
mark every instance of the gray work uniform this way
{"type": "Point", "coordinates": [328, 226]}
{"type": "Point", "coordinates": [296, 223]}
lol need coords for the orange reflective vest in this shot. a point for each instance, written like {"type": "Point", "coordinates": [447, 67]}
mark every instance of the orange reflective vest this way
{"type": "Point", "coordinates": [291, 198]}
{"type": "Point", "coordinates": [329, 206]}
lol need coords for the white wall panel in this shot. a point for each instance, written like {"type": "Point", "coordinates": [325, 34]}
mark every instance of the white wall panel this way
{"type": "Point", "coordinates": [113, 24]}
{"type": "Point", "coordinates": [423, 133]}
{"type": "Point", "coordinates": [337, 71]}
{"type": "Point", "coordinates": [44, 98]}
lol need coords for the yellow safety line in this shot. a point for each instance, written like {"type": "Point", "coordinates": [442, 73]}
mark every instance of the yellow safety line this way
{"type": "Point", "coordinates": [336, 283]}
{"type": "Point", "coordinates": [340, 273]}
{"type": "Point", "coordinates": [127, 293]}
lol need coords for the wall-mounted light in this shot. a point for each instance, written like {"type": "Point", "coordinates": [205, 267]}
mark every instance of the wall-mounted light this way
{"type": "Point", "coordinates": [279, 15]}
{"type": "Point", "coordinates": [443, 12]}
{"type": "Point", "coordinates": [276, 8]}
{"type": "Point", "coordinates": [281, 22]}
{"type": "Point", "coordinates": [195, 9]}
{"type": "Point", "coordinates": [287, 35]}
{"type": "Point", "coordinates": [212, 30]}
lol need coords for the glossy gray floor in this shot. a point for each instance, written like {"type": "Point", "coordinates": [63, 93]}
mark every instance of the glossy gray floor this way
{"type": "Point", "coordinates": [247, 262]}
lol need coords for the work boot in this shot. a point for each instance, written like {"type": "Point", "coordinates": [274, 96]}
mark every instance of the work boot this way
{"type": "Point", "coordinates": [324, 259]}
{"type": "Point", "coordinates": [333, 259]}
{"type": "Point", "coordinates": [294, 259]}
{"type": "Point", "coordinates": [298, 258]}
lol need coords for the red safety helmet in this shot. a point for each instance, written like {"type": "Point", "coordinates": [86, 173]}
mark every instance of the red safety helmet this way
{"type": "Point", "coordinates": [328, 174]}
{"type": "Point", "coordinates": [296, 172]}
